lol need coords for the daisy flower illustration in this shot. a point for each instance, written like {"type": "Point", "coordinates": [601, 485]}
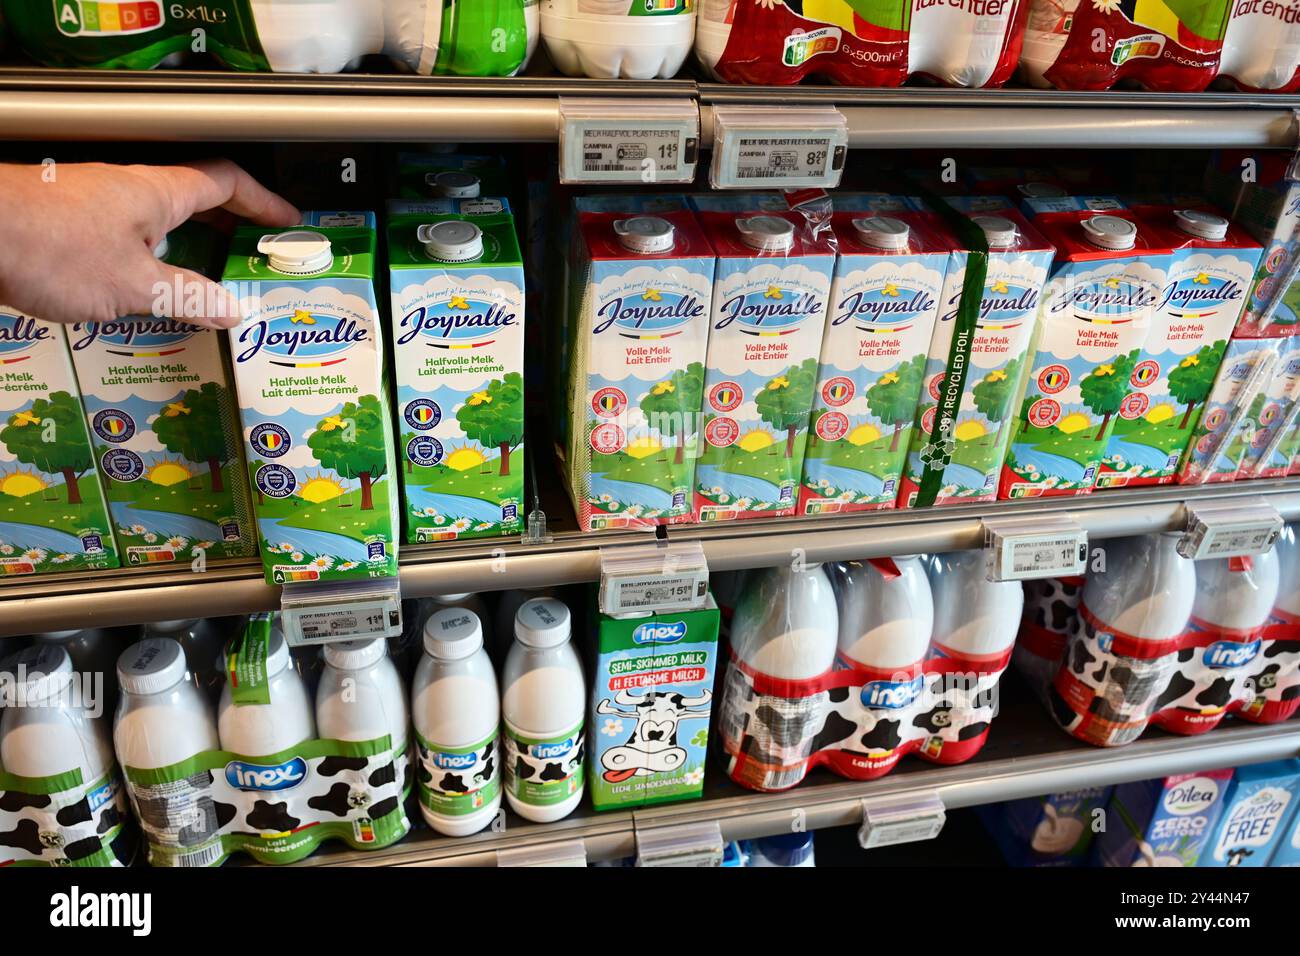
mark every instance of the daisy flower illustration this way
{"type": "Point", "coordinates": [633, 511]}
{"type": "Point", "coordinates": [6, 549]}
{"type": "Point", "coordinates": [694, 777]}
{"type": "Point", "coordinates": [177, 542]}
{"type": "Point", "coordinates": [347, 565]}
{"type": "Point", "coordinates": [62, 558]}
{"type": "Point", "coordinates": [35, 555]}
{"type": "Point", "coordinates": [483, 526]}
{"type": "Point", "coordinates": [138, 529]}
{"type": "Point", "coordinates": [297, 556]}
{"type": "Point", "coordinates": [439, 519]}
{"type": "Point", "coordinates": [461, 524]}
{"type": "Point", "coordinates": [285, 546]}
{"type": "Point", "coordinates": [612, 727]}
{"type": "Point", "coordinates": [322, 562]}
{"type": "Point", "coordinates": [202, 545]}
{"type": "Point", "coordinates": [150, 538]}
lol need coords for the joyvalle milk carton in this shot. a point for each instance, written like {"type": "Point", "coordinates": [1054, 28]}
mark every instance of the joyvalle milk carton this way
{"type": "Point", "coordinates": [884, 301]}
{"type": "Point", "coordinates": [769, 314]}
{"type": "Point", "coordinates": [638, 328]}
{"type": "Point", "coordinates": [976, 360]}
{"type": "Point", "coordinates": [52, 511]}
{"type": "Point", "coordinates": [1098, 306]}
{"type": "Point", "coordinates": [457, 284]}
{"type": "Point", "coordinates": [313, 396]}
{"type": "Point", "coordinates": [162, 415]}
{"type": "Point", "coordinates": [1209, 276]}
{"type": "Point", "coordinates": [1272, 415]}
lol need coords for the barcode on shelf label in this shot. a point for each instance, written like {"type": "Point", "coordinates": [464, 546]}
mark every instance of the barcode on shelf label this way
{"type": "Point", "coordinates": [654, 592]}
{"type": "Point", "coordinates": [690, 844]}
{"type": "Point", "coordinates": [901, 831]}
{"type": "Point", "coordinates": [345, 622]}
{"type": "Point", "coordinates": [888, 821]}
{"type": "Point", "coordinates": [603, 151]}
{"type": "Point", "coordinates": [1232, 541]}
{"type": "Point", "coordinates": [1042, 556]}
{"type": "Point", "coordinates": [774, 159]}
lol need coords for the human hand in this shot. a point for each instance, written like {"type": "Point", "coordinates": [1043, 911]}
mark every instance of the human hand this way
{"type": "Point", "coordinates": [79, 247]}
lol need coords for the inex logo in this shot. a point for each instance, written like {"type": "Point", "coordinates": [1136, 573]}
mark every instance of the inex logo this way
{"type": "Point", "coordinates": [460, 322]}
{"type": "Point", "coordinates": [251, 776]}
{"type": "Point", "coordinates": [107, 17]}
{"type": "Point", "coordinates": [659, 632]}
{"type": "Point", "coordinates": [892, 695]}
{"type": "Point", "coordinates": [888, 306]}
{"type": "Point", "coordinates": [1191, 796]}
{"type": "Point", "coordinates": [18, 334]}
{"type": "Point", "coordinates": [655, 313]}
{"type": "Point", "coordinates": [773, 311]}
{"type": "Point", "coordinates": [446, 761]}
{"type": "Point", "coordinates": [548, 751]}
{"type": "Point", "coordinates": [1114, 300]}
{"type": "Point", "coordinates": [1200, 295]}
{"type": "Point", "coordinates": [135, 338]}
{"type": "Point", "coordinates": [316, 339]}
{"type": "Point", "coordinates": [1223, 654]}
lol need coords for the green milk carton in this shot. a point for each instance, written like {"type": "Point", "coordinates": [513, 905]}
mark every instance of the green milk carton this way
{"type": "Point", "coordinates": [457, 284]}
{"type": "Point", "coordinates": [651, 695]}
{"type": "Point", "coordinates": [313, 396]}
{"type": "Point", "coordinates": [161, 411]}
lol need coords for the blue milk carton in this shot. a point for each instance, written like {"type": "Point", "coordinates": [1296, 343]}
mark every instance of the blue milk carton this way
{"type": "Point", "coordinates": [1260, 804]}
{"type": "Point", "coordinates": [1163, 822]}
{"type": "Point", "coordinates": [1052, 830]}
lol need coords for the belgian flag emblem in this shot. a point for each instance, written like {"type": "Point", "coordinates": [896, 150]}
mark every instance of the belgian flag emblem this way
{"type": "Point", "coordinates": [271, 441]}
{"type": "Point", "coordinates": [726, 396]}
{"type": "Point", "coordinates": [114, 425]}
{"type": "Point", "coordinates": [1145, 374]}
{"type": "Point", "coordinates": [1054, 379]}
{"type": "Point", "coordinates": [838, 392]}
{"type": "Point", "coordinates": [609, 403]}
{"type": "Point", "coordinates": [423, 414]}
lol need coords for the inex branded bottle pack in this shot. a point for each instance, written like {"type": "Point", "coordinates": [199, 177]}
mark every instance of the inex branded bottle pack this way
{"type": "Point", "coordinates": [893, 658]}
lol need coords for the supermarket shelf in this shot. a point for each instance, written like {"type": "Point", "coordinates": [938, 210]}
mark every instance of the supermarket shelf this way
{"type": "Point", "coordinates": [1026, 756]}
{"type": "Point", "coordinates": [133, 596]}
{"type": "Point", "coordinates": [166, 105]}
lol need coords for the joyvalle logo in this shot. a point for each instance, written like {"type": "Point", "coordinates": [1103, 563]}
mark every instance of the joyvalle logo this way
{"type": "Point", "coordinates": [18, 334]}
{"type": "Point", "coordinates": [301, 339]}
{"type": "Point", "coordinates": [134, 338]}
{"type": "Point", "coordinates": [884, 307]}
{"type": "Point", "coordinates": [1200, 295]}
{"type": "Point", "coordinates": [1116, 300]}
{"type": "Point", "coordinates": [770, 311]}
{"type": "Point", "coordinates": [461, 322]}
{"type": "Point", "coordinates": [651, 314]}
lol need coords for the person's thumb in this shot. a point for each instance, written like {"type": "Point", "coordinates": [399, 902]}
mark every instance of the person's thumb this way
{"type": "Point", "coordinates": [189, 297]}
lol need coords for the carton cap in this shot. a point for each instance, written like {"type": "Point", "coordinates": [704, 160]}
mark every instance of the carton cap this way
{"type": "Point", "coordinates": [452, 634]}
{"type": "Point", "coordinates": [298, 252]}
{"type": "Point", "coordinates": [766, 233]}
{"type": "Point", "coordinates": [883, 232]}
{"type": "Point", "coordinates": [452, 240]}
{"type": "Point", "coordinates": [1040, 191]}
{"type": "Point", "coordinates": [542, 622]}
{"type": "Point", "coordinates": [151, 666]}
{"type": "Point", "coordinates": [1110, 232]}
{"type": "Point", "coordinates": [999, 231]}
{"type": "Point", "coordinates": [1203, 225]}
{"type": "Point", "coordinates": [452, 184]}
{"type": "Point", "coordinates": [645, 234]}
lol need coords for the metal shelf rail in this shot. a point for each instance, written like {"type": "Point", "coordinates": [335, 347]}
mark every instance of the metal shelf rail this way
{"type": "Point", "coordinates": [134, 596]}
{"type": "Point", "coordinates": [175, 106]}
{"type": "Point", "coordinates": [1026, 756]}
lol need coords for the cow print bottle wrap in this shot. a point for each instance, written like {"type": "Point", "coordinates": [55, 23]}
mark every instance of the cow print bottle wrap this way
{"type": "Point", "coordinates": [1051, 614]}
{"type": "Point", "coordinates": [59, 821]}
{"type": "Point", "coordinates": [456, 781]}
{"type": "Point", "coordinates": [544, 772]}
{"type": "Point", "coordinates": [857, 721]}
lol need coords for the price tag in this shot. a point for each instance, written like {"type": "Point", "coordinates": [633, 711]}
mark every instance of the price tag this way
{"type": "Point", "coordinates": [643, 579]}
{"type": "Point", "coordinates": [628, 141]}
{"type": "Point", "coordinates": [889, 821]}
{"type": "Point", "coordinates": [1230, 529]}
{"type": "Point", "coordinates": [560, 853]}
{"type": "Point", "coordinates": [321, 614]}
{"type": "Point", "coordinates": [792, 148]}
{"type": "Point", "coordinates": [691, 844]}
{"type": "Point", "coordinates": [1022, 550]}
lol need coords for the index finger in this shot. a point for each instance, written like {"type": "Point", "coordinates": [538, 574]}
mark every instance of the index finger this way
{"type": "Point", "coordinates": [219, 183]}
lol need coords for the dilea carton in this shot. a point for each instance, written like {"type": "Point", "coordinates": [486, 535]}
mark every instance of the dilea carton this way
{"type": "Point", "coordinates": [651, 699]}
{"type": "Point", "coordinates": [884, 300]}
{"type": "Point", "coordinates": [457, 286]}
{"type": "Point", "coordinates": [52, 511]}
{"type": "Point", "coordinates": [313, 395]}
{"type": "Point", "coordinates": [1205, 291]}
{"type": "Point", "coordinates": [981, 387]}
{"type": "Point", "coordinates": [638, 333]}
{"type": "Point", "coordinates": [1163, 822]}
{"type": "Point", "coordinates": [161, 410]}
{"type": "Point", "coordinates": [1260, 803]}
{"type": "Point", "coordinates": [1271, 417]}
{"type": "Point", "coordinates": [769, 314]}
{"type": "Point", "coordinates": [1097, 312]}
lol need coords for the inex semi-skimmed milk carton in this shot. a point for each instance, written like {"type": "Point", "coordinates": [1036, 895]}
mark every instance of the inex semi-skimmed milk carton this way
{"type": "Point", "coordinates": [637, 337]}
{"type": "Point", "coordinates": [1205, 291]}
{"type": "Point", "coordinates": [457, 284]}
{"type": "Point", "coordinates": [52, 511]}
{"type": "Point", "coordinates": [884, 301]}
{"type": "Point", "coordinates": [769, 313]}
{"type": "Point", "coordinates": [162, 415]}
{"type": "Point", "coordinates": [976, 361]}
{"type": "Point", "coordinates": [313, 396]}
{"type": "Point", "coordinates": [1098, 307]}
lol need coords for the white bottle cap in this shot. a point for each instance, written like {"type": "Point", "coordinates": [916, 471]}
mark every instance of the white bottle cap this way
{"type": "Point", "coordinates": [151, 666]}
{"type": "Point", "coordinates": [542, 622]}
{"type": "Point", "coordinates": [766, 233]}
{"type": "Point", "coordinates": [452, 634]}
{"type": "Point", "coordinates": [449, 599]}
{"type": "Point", "coordinates": [453, 184]}
{"type": "Point", "coordinates": [883, 232]}
{"type": "Point", "coordinates": [37, 673]}
{"type": "Point", "coordinates": [355, 655]}
{"type": "Point", "coordinates": [160, 251]}
{"type": "Point", "coordinates": [1041, 191]}
{"type": "Point", "coordinates": [452, 240]}
{"type": "Point", "coordinates": [1110, 232]}
{"type": "Point", "coordinates": [277, 652]}
{"type": "Point", "coordinates": [55, 637]}
{"type": "Point", "coordinates": [298, 252]}
{"type": "Point", "coordinates": [645, 235]}
{"type": "Point", "coordinates": [169, 626]}
{"type": "Point", "coordinates": [1203, 225]}
{"type": "Point", "coordinates": [999, 231]}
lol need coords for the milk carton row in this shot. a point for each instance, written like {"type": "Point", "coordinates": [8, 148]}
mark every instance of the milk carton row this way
{"type": "Point", "coordinates": [149, 441]}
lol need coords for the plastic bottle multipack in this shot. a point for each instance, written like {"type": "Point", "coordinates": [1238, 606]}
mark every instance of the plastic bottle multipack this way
{"type": "Point", "coordinates": [872, 43]}
{"type": "Point", "coordinates": [62, 802]}
{"type": "Point", "coordinates": [857, 684]}
{"type": "Point", "coordinates": [633, 39]}
{"type": "Point", "coordinates": [482, 38]}
{"type": "Point", "coordinates": [1083, 45]}
{"type": "Point", "coordinates": [1261, 47]}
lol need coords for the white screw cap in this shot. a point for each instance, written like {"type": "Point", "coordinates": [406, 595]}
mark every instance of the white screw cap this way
{"type": "Point", "coordinates": [1203, 225]}
{"type": "Point", "coordinates": [355, 655]}
{"type": "Point", "coordinates": [38, 673]}
{"type": "Point", "coordinates": [1041, 191]}
{"type": "Point", "coordinates": [999, 231]}
{"type": "Point", "coordinates": [151, 666]}
{"type": "Point", "coordinates": [452, 634]}
{"type": "Point", "coordinates": [646, 235]}
{"type": "Point", "coordinates": [883, 232]}
{"type": "Point", "coordinates": [452, 184]}
{"type": "Point", "coordinates": [542, 622]}
{"type": "Point", "coordinates": [299, 252]}
{"type": "Point", "coordinates": [767, 233]}
{"type": "Point", "coordinates": [452, 240]}
{"type": "Point", "coordinates": [1110, 232]}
